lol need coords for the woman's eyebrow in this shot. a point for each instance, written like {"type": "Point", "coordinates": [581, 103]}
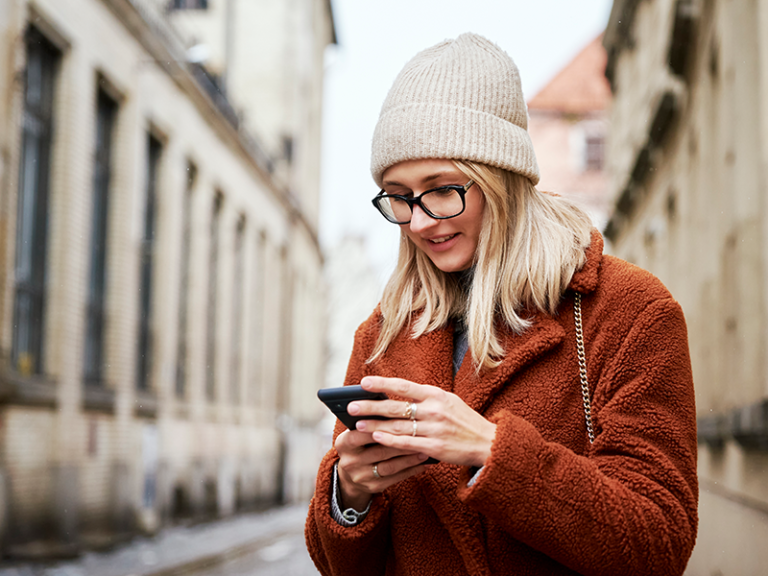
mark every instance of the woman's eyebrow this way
{"type": "Point", "coordinates": [430, 178]}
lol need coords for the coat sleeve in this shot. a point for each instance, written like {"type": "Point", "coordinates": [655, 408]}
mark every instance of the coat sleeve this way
{"type": "Point", "coordinates": [335, 549]}
{"type": "Point", "coordinates": [629, 505]}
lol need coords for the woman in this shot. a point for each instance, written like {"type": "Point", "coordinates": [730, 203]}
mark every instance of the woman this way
{"type": "Point", "coordinates": [551, 460]}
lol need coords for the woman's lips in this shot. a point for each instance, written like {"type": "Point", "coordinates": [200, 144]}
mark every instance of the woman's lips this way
{"type": "Point", "coordinates": [442, 243]}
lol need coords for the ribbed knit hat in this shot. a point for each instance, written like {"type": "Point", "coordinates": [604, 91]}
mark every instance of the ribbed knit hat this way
{"type": "Point", "coordinates": [461, 100]}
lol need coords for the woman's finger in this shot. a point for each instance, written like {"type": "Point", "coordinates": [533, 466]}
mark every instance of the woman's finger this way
{"type": "Point", "coordinates": [387, 469]}
{"type": "Point", "coordinates": [389, 472]}
{"type": "Point", "coordinates": [349, 447]}
{"type": "Point", "coordinates": [399, 387]}
{"type": "Point", "coordinates": [353, 439]}
{"type": "Point", "coordinates": [385, 408]}
{"type": "Point", "coordinates": [394, 466]}
{"type": "Point", "coordinates": [379, 453]}
{"type": "Point", "coordinates": [398, 427]}
{"type": "Point", "coordinates": [407, 443]}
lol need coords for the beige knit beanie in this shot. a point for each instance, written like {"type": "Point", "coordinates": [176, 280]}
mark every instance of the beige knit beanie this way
{"type": "Point", "coordinates": [461, 100]}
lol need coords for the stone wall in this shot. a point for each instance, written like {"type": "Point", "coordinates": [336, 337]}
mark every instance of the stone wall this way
{"type": "Point", "coordinates": [687, 159]}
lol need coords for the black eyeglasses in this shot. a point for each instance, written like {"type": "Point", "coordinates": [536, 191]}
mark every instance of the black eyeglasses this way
{"type": "Point", "coordinates": [438, 203]}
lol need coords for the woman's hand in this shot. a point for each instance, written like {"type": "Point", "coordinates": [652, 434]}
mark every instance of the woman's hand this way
{"type": "Point", "coordinates": [444, 426]}
{"type": "Point", "coordinates": [361, 460]}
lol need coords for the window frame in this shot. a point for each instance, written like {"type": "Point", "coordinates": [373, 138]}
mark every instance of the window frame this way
{"type": "Point", "coordinates": [213, 282]}
{"type": "Point", "coordinates": [184, 282]}
{"type": "Point", "coordinates": [144, 360]}
{"type": "Point", "coordinates": [33, 196]}
{"type": "Point", "coordinates": [107, 109]}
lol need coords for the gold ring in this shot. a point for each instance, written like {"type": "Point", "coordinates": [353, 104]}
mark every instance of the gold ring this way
{"type": "Point", "coordinates": [376, 472]}
{"type": "Point", "coordinates": [414, 427]}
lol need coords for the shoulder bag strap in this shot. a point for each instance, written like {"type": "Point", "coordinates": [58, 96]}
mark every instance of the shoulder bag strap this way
{"type": "Point", "coordinates": [583, 367]}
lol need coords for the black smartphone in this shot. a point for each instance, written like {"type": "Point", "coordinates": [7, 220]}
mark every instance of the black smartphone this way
{"type": "Point", "coordinates": [337, 400]}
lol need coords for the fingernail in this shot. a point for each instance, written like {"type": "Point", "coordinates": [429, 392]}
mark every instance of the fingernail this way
{"type": "Point", "coordinates": [365, 382]}
{"type": "Point", "coordinates": [353, 408]}
{"type": "Point", "coordinates": [422, 457]}
{"type": "Point", "coordinates": [360, 426]}
{"type": "Point", "coordinates": [378, 436]}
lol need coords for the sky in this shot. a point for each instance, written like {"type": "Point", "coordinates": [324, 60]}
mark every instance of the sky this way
{"type": "Point", "coordinates": [375, 40]}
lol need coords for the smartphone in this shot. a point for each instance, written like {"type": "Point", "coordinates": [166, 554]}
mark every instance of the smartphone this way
{"type": "Point", "coordinates": [338, 398]}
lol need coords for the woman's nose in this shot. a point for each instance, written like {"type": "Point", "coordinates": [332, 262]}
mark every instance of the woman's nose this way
{"type": "Point", "coordinates": [420, 220]}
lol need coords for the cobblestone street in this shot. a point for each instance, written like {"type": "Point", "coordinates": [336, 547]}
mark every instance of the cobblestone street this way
{"type": "Point", "coordinates": [260, 544]}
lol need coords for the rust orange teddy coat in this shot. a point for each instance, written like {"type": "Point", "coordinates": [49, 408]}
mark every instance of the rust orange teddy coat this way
{"type": "Point", "coordinates": [546, 502]}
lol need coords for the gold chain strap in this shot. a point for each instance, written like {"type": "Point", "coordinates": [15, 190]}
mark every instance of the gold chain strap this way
{"type": "Point", "coordinates": [583, 367]}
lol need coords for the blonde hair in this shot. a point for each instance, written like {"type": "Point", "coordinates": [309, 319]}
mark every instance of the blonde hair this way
{"type": "Point", "coordinates": [530, 245]}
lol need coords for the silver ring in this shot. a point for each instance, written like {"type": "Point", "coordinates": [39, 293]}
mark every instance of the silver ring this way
{"type": "Point", "coordinates": [415, 424]}
{"type": "Point", "coordinates": [376, 472]}
{"type": "Point", "coordinates": [413, 408]}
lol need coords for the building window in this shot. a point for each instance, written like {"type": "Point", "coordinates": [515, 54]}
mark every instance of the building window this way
{"type": "Point", "coordinates": [257, 294]}
{"type": "Point", "coordinates": [154, 151]}
{"type": "Point", "coordinates": [237, 308]}
{"type": "Point", "coordinates": [189, 4]}
{"type": "Point", "coordinates": [594, 151]}
{"type": "Point", "coordinates": [284, 322]}
{"type": "Point", "coordinates": [32, 211]}
{"type": "Point", "coordinates": [106, 112]}
{"type": "Point", "coordinates": [213, 275]}
{"type": "Point", "coordinates": [186, 240]}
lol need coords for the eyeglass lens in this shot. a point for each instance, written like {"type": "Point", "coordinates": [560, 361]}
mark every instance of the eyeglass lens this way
{"type": "Point", "coordinates": [442, 203]}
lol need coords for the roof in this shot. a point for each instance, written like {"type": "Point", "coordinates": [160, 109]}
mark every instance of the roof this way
{"type": "Point", "coordinates": [580, 87]}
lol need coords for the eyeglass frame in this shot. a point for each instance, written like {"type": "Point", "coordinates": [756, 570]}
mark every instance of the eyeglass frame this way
{"type": "Point", "coordinates": [462, 191]}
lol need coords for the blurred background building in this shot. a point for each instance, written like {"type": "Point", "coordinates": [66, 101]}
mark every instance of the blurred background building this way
{"type": "Point", "coordinates": [161, 311]}
{"type": "Point", "coordinates": [568, 122]}
{"type": "Point", "coordinates": [687, 162]}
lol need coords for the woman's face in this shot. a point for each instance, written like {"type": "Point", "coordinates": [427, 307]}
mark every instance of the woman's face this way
{"type": "Point", "coordinates": [450, 244]}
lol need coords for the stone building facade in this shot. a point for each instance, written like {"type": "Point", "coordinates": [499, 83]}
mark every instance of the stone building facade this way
{"type": "Point", "coordinates": [161, 301]}
{"type": "Point", "coordinates": [688, 161]}
{"type": "Point", "coordinates": [568, 122]}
